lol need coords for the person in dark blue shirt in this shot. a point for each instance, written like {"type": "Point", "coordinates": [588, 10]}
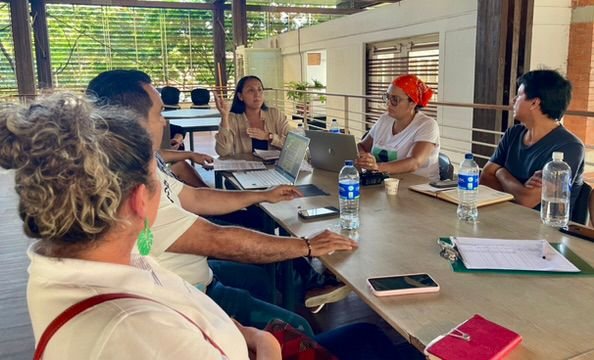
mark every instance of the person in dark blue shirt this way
{"type": "Point", "coordinates": [516, 166]}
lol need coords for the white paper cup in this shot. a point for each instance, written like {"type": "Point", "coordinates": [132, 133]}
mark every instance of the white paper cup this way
{"type": "Point", "coordinates": [391, 185]}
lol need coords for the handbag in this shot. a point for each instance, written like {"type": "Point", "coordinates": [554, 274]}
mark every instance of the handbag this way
{"type": "Point", "coordinates": [295, 345]}
{"type": "Point", "coordinates": [83, 305]}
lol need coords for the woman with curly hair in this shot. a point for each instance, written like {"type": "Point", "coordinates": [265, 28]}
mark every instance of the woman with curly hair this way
{"type": "Point", "coordinates": [88, 191]}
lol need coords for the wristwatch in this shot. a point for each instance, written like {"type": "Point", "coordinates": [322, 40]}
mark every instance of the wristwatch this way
{"type": "Point", "coordinates": [270, 136]}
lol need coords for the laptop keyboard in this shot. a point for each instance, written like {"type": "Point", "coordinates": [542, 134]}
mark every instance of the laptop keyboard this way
{"type": "Point", "coordinates": [264, 178]}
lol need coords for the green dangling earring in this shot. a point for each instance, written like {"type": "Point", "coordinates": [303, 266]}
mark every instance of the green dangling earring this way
{"type": "Point", "coordinates": [145, 239]}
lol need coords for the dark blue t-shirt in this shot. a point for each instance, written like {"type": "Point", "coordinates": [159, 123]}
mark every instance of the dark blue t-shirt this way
{"type": "Point", "coordinates": [523, 161]}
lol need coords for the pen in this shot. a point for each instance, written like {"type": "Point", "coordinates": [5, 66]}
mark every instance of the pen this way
{"type": "Point", "coordinates": [544, 250]}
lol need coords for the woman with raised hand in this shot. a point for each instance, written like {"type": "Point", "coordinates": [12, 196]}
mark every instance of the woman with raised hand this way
{"type": "Point", "coordinates": [249, 124]}
{"type": "Point", "coordinates": [404, 139]}
{"type": "Point", "coordinates": [88, 190]}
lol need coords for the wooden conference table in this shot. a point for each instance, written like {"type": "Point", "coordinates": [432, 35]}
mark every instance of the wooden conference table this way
{"type": "Point", "coordinates": [398, 234]}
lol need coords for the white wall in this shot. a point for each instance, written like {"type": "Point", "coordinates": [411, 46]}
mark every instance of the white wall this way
{"type": "Point", "coordinates": [454, 20]}
{"type": "Point", "coordinates": [550, 34]}
{"type": "Point", "coordinates": [345, 41]}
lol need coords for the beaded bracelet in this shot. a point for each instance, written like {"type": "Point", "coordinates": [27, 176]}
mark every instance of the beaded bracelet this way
{"type": "Point", "coordinates": [308, 242]}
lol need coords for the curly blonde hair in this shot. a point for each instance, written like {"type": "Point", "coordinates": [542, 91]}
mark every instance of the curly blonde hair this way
{"type": "Point", "coordinates": [74, 165]}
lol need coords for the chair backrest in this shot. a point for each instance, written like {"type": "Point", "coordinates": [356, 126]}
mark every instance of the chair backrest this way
{"type": "Point", "coordinates": [446, 169]}
{"type": "Point", "coordinates": [200, 96]}
{"type": "Point", "coordinates": [580, 211]}
{"type": "Point", "coordinates": [170, 95]}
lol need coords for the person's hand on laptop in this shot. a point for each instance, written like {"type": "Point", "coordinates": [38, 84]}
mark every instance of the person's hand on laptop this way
{"type": "Point", "coordinates": [327, 242]}
{"type": "Point", "coordinates": [282, 193]}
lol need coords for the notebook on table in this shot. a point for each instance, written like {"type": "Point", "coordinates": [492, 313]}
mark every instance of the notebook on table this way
{"type": "Point", "coordinates": [330, 150]}
{"type": "Point", "coordinates": [486, 195]}
{"type": "Point", "coordinates": [286, 170]}
{"type": "Point", "coordinates": [475, 339]}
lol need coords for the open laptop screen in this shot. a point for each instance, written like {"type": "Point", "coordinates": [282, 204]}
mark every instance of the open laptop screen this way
{"type": "Point", "coordinates": [292, 155]}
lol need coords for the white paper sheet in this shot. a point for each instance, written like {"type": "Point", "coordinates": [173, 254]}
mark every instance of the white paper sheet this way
{"type": "Point", "coordinates": [234, 165]}
{"type": "Point", "coordinates": [532, 255]}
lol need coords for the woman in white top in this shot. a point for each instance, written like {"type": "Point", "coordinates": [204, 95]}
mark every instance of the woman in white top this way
{"type": "Point", "coordinates": [88, 187]}
{"type": "Point", "coordinates": [404, 139]}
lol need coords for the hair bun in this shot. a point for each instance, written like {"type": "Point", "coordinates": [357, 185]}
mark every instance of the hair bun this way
{"type": "Point", "coordinates": [13, 148]}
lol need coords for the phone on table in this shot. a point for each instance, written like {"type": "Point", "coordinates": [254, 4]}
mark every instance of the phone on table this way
{"type": "Point", "coordinates": [444, 184]}
{"type": "Point", "coordinates": [402, 284]}
{"type": "Point", "coordinates": [319, 213]}
{"type": "Point", "coordinates": [580, 231]}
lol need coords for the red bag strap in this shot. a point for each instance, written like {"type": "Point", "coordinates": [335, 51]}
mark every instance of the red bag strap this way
{"type": "Point", "coordinates": [79, 307]}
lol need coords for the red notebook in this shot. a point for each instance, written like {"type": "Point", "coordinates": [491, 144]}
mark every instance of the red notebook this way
{"type": "Point", "coordinates": [475, 339]}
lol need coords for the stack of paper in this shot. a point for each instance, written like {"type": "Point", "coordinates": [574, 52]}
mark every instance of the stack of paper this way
{"type": "Point", "coordinates": [500, 254]}
{"type": "Point", "coordinates": [267, 154]}
{"type": "Point", "coordinates": [234, 165]}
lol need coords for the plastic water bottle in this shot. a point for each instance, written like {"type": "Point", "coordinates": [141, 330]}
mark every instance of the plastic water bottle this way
{"type": "Point", "coordinates": [301, 131]}
{"type": "Point", "coordinates": [556, 192]}
{"type": "Point", "coordinates": [348, 196]}
{"type": "Point", "coordinates": [334, 128]}
{"type": "Point", "coordinates": [468, 181]}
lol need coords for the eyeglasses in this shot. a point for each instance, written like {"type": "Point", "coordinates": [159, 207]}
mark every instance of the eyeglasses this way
{"type": "Point", "coordinates": [394, 99]}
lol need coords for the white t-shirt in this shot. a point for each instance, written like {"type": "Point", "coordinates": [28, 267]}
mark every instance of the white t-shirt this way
{"type": "Point", "coordinates": [171, 222]}
{"type": "Point", "coordinates": [126, 328]}
{"type": "Point", "coordinates": [388, 147]}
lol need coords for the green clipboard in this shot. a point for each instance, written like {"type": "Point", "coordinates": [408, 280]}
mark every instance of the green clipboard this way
{"type": "Point", "coordinates": [585, 268]}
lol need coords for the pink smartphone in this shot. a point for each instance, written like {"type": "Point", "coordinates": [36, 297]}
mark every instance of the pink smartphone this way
{"type": "Point", "coordinates": [402, 284]}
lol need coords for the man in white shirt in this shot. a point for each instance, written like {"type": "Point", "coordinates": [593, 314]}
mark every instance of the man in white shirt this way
{"type": "Point", "coordinates": [184, 240]}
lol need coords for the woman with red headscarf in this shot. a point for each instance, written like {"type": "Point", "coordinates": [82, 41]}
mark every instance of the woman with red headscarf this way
{"type": "Point", "coordinates": [404, 139]}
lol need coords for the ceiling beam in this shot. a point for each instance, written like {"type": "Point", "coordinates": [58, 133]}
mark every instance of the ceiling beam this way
{"type": "Point", "coordinates": [206, 6]}
{"type": "Point", "coordinates": [301, 9]}
{"type": "Point", "coordinates": [136, 3]}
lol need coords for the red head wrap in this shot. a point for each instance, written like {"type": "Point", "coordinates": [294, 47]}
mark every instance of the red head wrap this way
{"type": "Point", "coordinates": [414, 88]}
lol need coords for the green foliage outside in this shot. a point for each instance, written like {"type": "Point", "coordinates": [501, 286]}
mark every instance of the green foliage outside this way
{"type": "Point", "coordinates": [173, 46]}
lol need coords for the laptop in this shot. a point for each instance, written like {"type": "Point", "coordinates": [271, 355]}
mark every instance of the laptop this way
{"type": "Point", "coordinates": [286, 170]}
{"type": "Point", "coordinates": [330, 150]}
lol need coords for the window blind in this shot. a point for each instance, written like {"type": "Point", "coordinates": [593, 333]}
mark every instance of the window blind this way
{"type": "Point", "coordinates": [389, 59]}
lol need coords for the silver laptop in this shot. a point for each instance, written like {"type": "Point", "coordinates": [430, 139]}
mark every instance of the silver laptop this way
{"type": "Point", "coordinates": [330, 150]}
{"type": "Point", "coordinates": [286, 170]}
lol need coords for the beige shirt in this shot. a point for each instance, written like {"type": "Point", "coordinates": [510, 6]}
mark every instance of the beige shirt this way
{"type": "Point", "coordinates": [126, 328]}
{"type": "Point", "coordinates": [235, 140]}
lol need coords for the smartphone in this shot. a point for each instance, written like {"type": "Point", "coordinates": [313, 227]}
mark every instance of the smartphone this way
{"type": "Point", "coordinates": [444, 184]}
{"type": "Point", "coordinates": [319, 213]}
{"type": "Point", "coordinates": [580, 231]}
{"type": "Point", "coordinates": [402, 284]}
